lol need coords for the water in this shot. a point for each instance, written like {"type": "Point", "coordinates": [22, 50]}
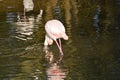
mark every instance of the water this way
{"type": "Point", "coordinates": [91, 53]}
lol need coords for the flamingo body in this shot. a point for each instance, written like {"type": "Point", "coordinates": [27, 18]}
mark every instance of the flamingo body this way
{"type": "Point", "coordinates": [54, 30]}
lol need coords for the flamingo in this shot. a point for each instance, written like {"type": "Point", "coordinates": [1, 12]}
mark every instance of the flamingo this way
{"type": "Point", "coordinates": [54, 30]}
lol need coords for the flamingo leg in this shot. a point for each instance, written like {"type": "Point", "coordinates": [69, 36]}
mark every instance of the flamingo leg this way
{"type": "Point", "coordinates": [59, 46]}
{"type": "Point", "coordinates": [60, 49]}
{"type": "Point", "coordinates": [60, 43]}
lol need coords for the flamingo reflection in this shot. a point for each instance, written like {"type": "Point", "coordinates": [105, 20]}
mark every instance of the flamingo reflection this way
{"type": "Point", "coordinates": [55, 72]}
{"type": "Point", "coordinates": [50, 57]}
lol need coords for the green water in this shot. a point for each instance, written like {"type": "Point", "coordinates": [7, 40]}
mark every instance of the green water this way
{"type": "Point", "coordinates": [91, 53]}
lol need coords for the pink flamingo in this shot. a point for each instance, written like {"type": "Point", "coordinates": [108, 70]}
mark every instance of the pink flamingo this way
{"type": "Point", "coordinates": [54, 30]}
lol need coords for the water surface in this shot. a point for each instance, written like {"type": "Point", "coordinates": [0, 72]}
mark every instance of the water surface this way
{"type": "Point", "coordinates": [91, 53]}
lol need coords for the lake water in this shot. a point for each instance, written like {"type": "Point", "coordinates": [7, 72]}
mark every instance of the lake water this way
{"type": "Point", "coordinates": [91, 53]}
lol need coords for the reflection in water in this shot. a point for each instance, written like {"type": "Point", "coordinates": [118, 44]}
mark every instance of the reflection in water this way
{"type": "Point", "coordinates": [96, 19]}
{"type": "Point", "coordinates": [39, 16]}
{"type": "Point", "coordinates": [23, 65]}
{"type": "Point", "coordinates": [57, 12]}
{"type": "Point", "coordinates": [55, 72]}
{"type": "Point", "coordinates": [96, 22]}
{"type": "Point", "coordinates": [68, 16]}
{"type": "Point", "coordinates": [50, 8]}
{"type": "Point", "coordinates": [24, 29]}
{"type": "Point", "coordinates": [86, 57]}
{"type": "Point", "coordinates": [49, 56]}
{"type": "Point", "coordinates": [10, 17]}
